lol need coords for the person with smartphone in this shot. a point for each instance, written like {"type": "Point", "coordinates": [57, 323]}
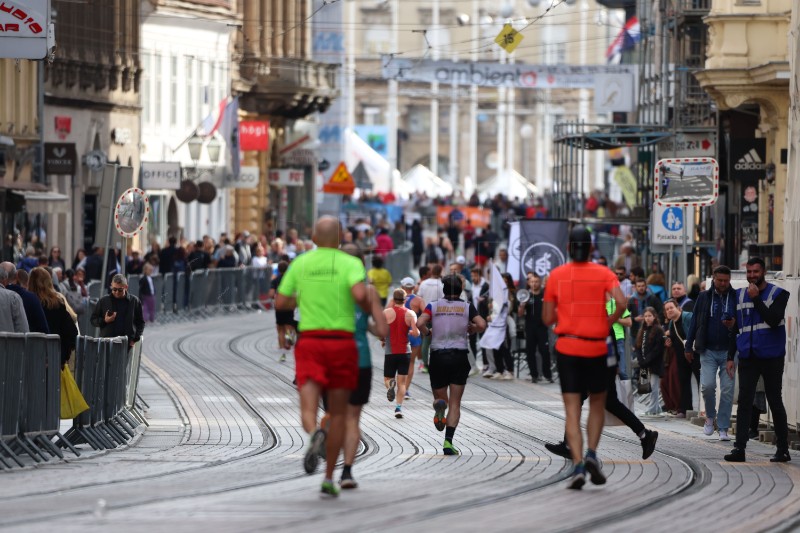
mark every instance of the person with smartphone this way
{"type": "Point", "coordinates": [709, 335]}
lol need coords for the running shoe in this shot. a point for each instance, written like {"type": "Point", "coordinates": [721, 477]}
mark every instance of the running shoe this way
{"type": "Point", "coordinates": [315, 447]}
{"type": "Point", "coordinates": [282, 358]}
{"type": "Point", "coordinates": [488, 374]}
{"type": "Point", "coordinates": [424, 369]}
{"type": "Point", "coordinates": [507, 376]}
{"type": "Point", "coordinates": [496, 375]}
{"type": "Point", "coordinates": [561, 449]}
{"type": "Point", "coordinates": [649, 443]}
{"type": "Point", "coordinates": [398, 412]}
{"type": "Point", "coordinates": [329, 490]}
{"type": "Point", "coordinates": [348, 483]}
{"type": "Point", "coordinates": [708, 427]}
{"type": "Point", "coordinates": [449, 449]}
{"type": "Point", "coordinates": [723, 435]}
{"type": "Point", "coordinates": [595, 473]}
{"type": "Point", "coordinates": [407, 396]}
{"type": "Point", "coordinates": [578, 479]}
{"type": "Point", "coordinates": [390, 393]}
{"type": "Point", "coordinates": [439, 419]}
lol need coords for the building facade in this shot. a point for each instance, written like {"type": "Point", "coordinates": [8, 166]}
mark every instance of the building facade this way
{"type": "Point", "coordinates": [747, 74]}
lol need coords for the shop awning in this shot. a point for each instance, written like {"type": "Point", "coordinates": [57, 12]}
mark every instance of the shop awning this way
{"type": "Point", "coordinates": [44, 201]}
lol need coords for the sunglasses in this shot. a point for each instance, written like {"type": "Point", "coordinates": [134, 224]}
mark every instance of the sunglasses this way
{"type": "Point", "coordinates": [117, 289]}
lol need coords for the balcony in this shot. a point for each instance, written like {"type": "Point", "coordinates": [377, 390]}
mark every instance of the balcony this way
{"type": "Point", "coordinates": [693, 8]}
{"type": "Point", "coordinates": [287, 87]}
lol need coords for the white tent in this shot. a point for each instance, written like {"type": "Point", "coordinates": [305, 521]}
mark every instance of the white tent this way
{"type": "Point", "coordinates": [377, 167]}
{"type": "Point", "coordinates": [509, 183]}
{"type": "Point", "coordinates": [421, 179]}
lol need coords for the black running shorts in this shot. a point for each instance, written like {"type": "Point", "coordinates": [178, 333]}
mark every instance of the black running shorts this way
{"type": "Point", "coordinates": [448, 367]}
{"type": "Point", "coordinates": [360, 396]}
{"type": "Point", "coordinates": [396, 363]}
{"type": "Point", "coordinates": [582, 374]}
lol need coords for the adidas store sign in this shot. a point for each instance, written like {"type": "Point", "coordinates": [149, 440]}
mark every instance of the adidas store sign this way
{"type": "Point", "coordinates": [750, 161]}
{"type": "Point", "coordinates": [748, 158]}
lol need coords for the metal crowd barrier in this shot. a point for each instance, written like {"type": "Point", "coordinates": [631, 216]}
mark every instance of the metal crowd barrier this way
{"type": "Point", "coordinates": [107, 373]}
{"type": "Point", "coordinates": [30, 397]}
{"type": "Point", "coordinates": [205, 291]}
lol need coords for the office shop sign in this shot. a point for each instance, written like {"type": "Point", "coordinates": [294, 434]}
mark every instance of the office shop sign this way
{"type": "Point", "coordinates": [162, 175]}
{"type": "Point", "coordinates": [25, 29]}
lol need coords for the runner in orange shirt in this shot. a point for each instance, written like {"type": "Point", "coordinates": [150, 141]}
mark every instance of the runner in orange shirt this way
{"type": "Point", "coordinates": [575, 300]}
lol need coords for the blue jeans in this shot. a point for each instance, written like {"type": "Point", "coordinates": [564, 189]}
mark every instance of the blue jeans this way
{"type": "Point", "coordinates": [622, 359]}
{"type": "Point", "coordinates": [713, 363]}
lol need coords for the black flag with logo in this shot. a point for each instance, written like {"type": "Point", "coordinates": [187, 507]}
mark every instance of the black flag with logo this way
{"type": "Point", "coordinates": [537, 246]}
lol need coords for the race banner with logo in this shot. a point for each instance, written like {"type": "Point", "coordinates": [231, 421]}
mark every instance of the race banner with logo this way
{"type": "Point", "coordinates": [478, 217]}
{"type": "Point", "coordinates": [537, 246]}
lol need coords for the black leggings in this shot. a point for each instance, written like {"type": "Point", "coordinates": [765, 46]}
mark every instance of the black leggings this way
{"type": "Point", "coordinates": [502, 358]}
{"type": "Point", "coordinates": [685, 371]}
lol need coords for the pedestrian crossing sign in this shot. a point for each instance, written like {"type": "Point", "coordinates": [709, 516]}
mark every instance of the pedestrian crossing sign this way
{"type": "Point", "coordinates": [341, 181]}
{"type": "Point", "coordinates": [509, 38]}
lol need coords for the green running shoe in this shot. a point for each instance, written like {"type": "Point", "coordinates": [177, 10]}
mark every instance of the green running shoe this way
{"type": "Point", "coordinates": [449, 449]}
{"type": "Point", "coordinates": [329, 490]}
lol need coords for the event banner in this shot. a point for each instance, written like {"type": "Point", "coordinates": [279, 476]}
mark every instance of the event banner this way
{"type": "Point", "coordinates": [537, 246]}
{"type": "Point", "coordinates": [489, 74]}
{"type": "Point", "coordinates": [478, 217]}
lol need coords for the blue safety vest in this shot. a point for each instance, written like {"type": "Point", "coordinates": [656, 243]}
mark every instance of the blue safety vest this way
{"type": "Point", "coordinates": [755, 336]}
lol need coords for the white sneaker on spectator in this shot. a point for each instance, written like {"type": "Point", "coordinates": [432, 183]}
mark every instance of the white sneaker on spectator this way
{"type": "Point", "coordinates": [488, 374]}
{"type": "Point", "coordinates": [723, 435]}
{"type": "Point", "coordinates": [474, 372]}
{"type": "Point", "coordinates": [508, 376]}
{"type": "Point", "coordinates": [708, 427]}
{"type": "Point", "coordinates": [496, 375]}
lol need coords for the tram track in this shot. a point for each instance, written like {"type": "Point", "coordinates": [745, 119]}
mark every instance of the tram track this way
{"type": "Point", "coordinates": [370, 447]}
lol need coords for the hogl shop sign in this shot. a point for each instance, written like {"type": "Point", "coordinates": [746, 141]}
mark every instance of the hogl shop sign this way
{"type": "Point", "coordinates": [25, 29]}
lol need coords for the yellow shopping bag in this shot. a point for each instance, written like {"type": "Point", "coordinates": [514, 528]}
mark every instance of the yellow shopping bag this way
{"type": "Point", "coordinates": [72, 402]}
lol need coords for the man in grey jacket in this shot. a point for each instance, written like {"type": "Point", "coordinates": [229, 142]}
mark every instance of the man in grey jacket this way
{"type": "Point", "coordinates": [12, 314]}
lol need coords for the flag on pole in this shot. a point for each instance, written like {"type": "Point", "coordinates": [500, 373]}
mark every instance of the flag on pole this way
{"type": "Point", "coordinates": [495, 333]}
{"type": "Point", "coordinates": [627, 38]}
{"type": "Point", "coordinates": [211, 123]}
{"type": "Point", "coordinates": [229, 129]}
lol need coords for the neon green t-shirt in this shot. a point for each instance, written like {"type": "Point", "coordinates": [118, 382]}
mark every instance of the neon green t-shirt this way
{"type": "Point", "coordinates": [382, 279]}
{"type": "Point", "coordinates": [619, 331]}
{"type": "Point", "coordinates": [321, 280]}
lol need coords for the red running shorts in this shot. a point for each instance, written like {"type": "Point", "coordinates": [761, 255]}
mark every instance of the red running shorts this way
{"type": "Point", "coordinates": [329, 358]}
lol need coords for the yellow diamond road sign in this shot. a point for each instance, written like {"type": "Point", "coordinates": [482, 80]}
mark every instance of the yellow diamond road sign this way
{"type": "Point", "coordinates": [509, 38]}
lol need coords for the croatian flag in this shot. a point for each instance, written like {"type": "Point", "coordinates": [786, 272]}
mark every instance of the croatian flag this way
{"type": "Point", "coordinates": [212, 122]}
{"type": "Point", "coordinates": [625, 40]}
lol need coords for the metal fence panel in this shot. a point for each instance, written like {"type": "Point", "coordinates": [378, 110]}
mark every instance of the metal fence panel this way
{"type": "Point", "coordinates": [34, 383]}
{"type": "Point", "coordinates": [133, 284]}
{"type": "Point", "coordinates": [12, 354]}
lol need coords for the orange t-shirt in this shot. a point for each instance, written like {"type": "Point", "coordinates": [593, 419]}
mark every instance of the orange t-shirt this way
{"type": "Point", "coordinates": [579, 292]}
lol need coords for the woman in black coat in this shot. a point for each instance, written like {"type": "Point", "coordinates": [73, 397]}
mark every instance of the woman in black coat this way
{"type": "Point", "coordinates": [60, 317]}
{"type": "Point", "coordinates": [650, 355]}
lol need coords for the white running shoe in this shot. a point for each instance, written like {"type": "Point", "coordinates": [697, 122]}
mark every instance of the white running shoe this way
{"type": "Point", "coordinates": [723, 435]}
{"type": "Point", "coordinates": [708, 427]}
{"type": "Point", "coordinates": [507, 376]}
{"type": "Point", "coordinates": [488, 374]}
{"type": "Point", "coordinates": [496, 375]}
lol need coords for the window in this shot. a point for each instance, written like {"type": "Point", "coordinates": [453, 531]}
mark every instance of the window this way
{"type": "Point", "coordinates": [191, 105]}
{"type": "Point", "coordinates": [173, 91]}
{"type": "Point", "coordinates": [158, 92]}
{"type": "Point", "coordinates": [419, 119]}
{"type": "Point", "coordinates": [147, 94]}
{"type": "Point", "coordinates": [212, 84]}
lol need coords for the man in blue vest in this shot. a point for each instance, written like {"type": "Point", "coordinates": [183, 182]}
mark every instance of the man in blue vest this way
{"type": "Point", "coordinates": [761, 343]}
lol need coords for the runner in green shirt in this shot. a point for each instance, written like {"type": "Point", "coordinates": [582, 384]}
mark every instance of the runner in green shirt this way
{"type": "Point", "coordinates": [325, 284]}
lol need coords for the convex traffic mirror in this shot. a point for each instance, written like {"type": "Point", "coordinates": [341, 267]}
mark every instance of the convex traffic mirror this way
{"type": "Point", "coordinates": [689, 181]}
